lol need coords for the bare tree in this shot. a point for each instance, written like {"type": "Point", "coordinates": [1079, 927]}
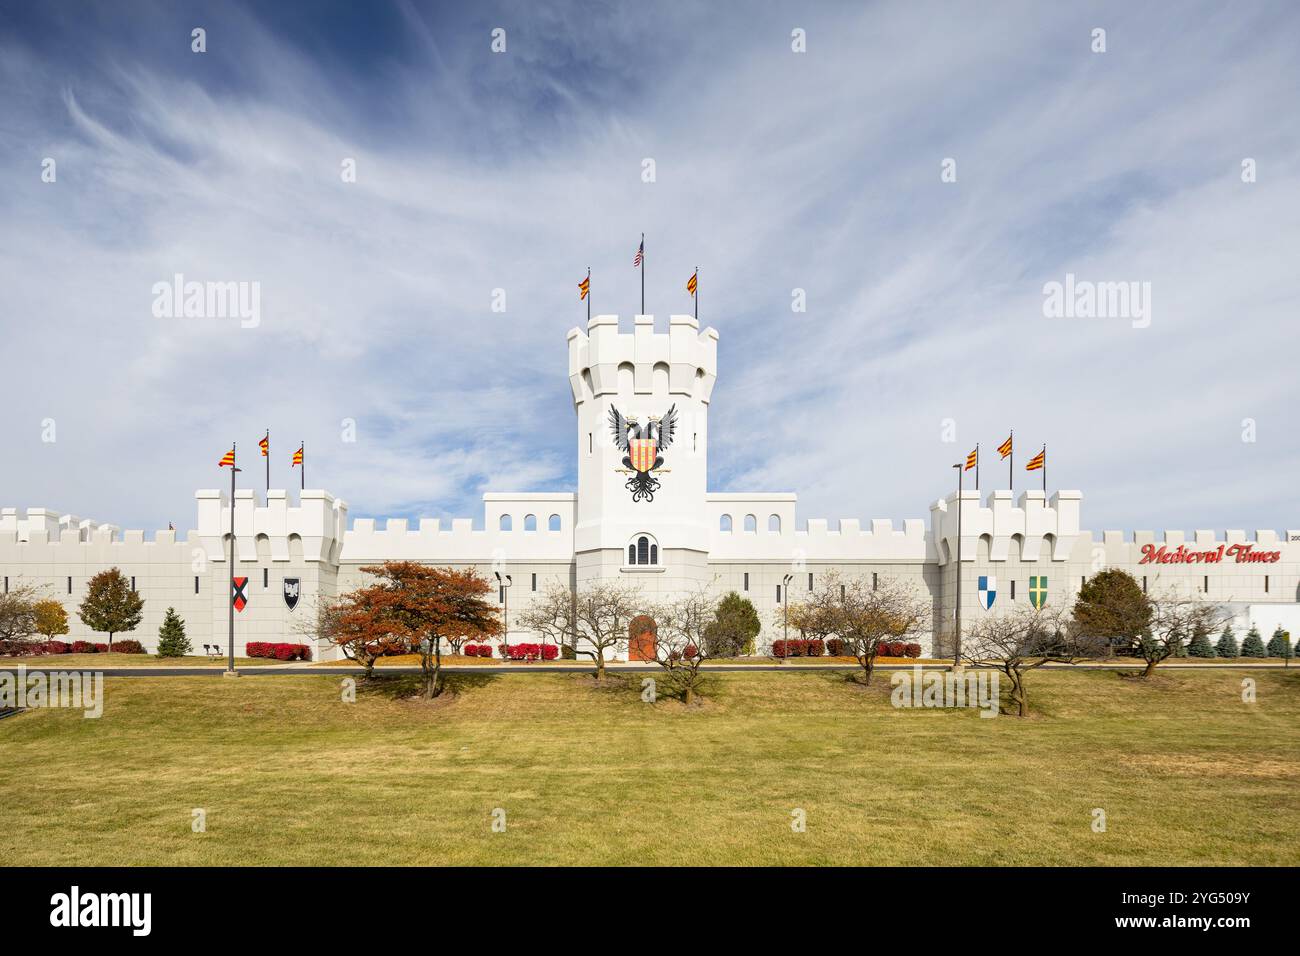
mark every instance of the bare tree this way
{"type": "Point", "coordinates": [1024, 639]}
{"type": "Point", "coordinates": [552, 615]}
{"type": "Point", "coordinates": [593, 620]}
{"type": "Point", "coordinates": [864, 616]}
{"type": "Point", "coordinates": [602, 612]}
{"type": "Point", "coordinates": [18, 622]}
{"type": "Point", "coordinates": [1175, 617]}
{"type": "Point", "coordinates": [681, 643]}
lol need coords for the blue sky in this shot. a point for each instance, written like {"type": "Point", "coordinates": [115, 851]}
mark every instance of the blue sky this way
{"type": "Point", "coordinates": [775, 171]}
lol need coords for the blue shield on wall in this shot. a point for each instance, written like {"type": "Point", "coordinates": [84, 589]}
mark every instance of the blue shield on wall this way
{"type": "Point", "coordinates": [988, 590]}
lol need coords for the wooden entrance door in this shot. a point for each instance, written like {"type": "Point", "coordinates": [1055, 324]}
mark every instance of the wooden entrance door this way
{"type": "Point", "coordinates": [641, 638]}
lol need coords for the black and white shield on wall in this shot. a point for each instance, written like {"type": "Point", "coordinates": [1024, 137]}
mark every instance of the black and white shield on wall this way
{"type": "Point", "coordinates": [292, 589]}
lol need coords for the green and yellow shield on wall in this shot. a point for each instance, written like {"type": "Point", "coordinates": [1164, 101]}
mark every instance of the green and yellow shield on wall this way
{"type": "Point", "coordinates": [1038, 590]}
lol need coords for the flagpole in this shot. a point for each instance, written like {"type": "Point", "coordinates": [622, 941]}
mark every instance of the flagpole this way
{"type": "Point", "coordinates": [697, 295]}
{"type": "Point", "coordinates": [1044, 469]}
{"type": "Point", "coordinates": [1011, 465]}
{"type": "Point", "coordinates": [643, 273]}
{"type": "Point", "coordinates": [268, 463]}
{"type": "Point", "coordinates": [303, 471]}
{"type": "Point", "coordinates": [230, 587]}
{"type": "Point", "coordinates": [977, 466]}
{"type": "Point", "coordinates": [589, 295]}
{"type": "Point", "coordinates": [956, 654]}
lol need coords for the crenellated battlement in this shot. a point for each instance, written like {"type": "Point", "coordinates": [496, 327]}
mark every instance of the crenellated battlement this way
{"type": "Point", "coordinates": [1031, 528]}
{"type": "Point", "coordinates": [313, 529]}
{"type": "Point", "coordinates": [683, 360]}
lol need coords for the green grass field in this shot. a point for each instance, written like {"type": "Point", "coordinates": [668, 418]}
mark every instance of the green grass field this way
{"type": "Point", "coordinates": [290, 774]}
{"type": "Point", "coordinates": [107, 660]}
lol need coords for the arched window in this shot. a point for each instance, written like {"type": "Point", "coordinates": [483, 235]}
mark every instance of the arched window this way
{"type": "Point", "coordinates": [751, 523]}
{"type": "Point", "coordinates": [774, 524]}
{"type": "Point", "coordinates": [643, 550]}
{"type": "Point", "coordinates": [530, 522]}
{"type": "Point", "coordinates": [725, 523]}
{"type": "Point", "coordinates": [504, 524]}
{"type": "Point", "coordinates": [553, 524]}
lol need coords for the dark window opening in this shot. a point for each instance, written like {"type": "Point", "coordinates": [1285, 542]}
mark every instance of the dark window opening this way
{"type": "Point", "coordinates": [746, 587]}
{"type": "Point", "coordinates": [196, 584]}
{"type": "Point", "coordinates": [643, 550]}
{"type": "Point", "coordinates": [534, 581]}
{"type": "Point", "coordinates": [778, 594]}
{"type": "Point", "coordinates": [809, 580]}
{"type": "Point", "coordinates": [69, 584]}
{"type": "Point", "coordinates": [266, 577]}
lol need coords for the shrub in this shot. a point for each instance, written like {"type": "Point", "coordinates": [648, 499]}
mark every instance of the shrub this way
{"type": "Point", "coordinates": [1227, 646]}
{"type": "Point", "coordinates": [57, 647]}
{"type": "Point", "coordinates": [83, 647]}
{"type": "Point", "coordinates": [172, 641]}
{"type": "Point", "coordinates": [1253, 645]}
{"type": "Point", "coordinates": [485, 650]}
{"type": "Point", "coordinates": [128, 646]}
{"type": "Point", "coordinates": [816, 648]}
{"type": "Point", "coordinates": [278, 651]}
{"type": "Point", "coordinates": [532, 652]}
{"type": "Point", "coordinates": [101, 648]}
{"type": "Point", "coordinates": [835, 647]}
{"type": "Point", "coordinates": [913, 650]}
{"type": "Point", "coordinates": [477, 650]}
{"type": "Point", "coordinates": [1200, 645]}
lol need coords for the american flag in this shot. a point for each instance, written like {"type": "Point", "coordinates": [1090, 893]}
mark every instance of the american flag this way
{"type": "Point", "coordinates": [640, 254]}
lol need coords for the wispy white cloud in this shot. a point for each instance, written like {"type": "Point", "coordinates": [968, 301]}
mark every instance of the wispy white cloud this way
{"type": "Point", "coordinates": [775, 170]}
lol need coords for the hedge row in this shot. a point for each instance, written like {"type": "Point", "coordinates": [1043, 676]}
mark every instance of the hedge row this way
{"type": "Point", "coordinates": [477, 650]}
{"type": "Point", "coordinates": [532, 652]}
{"type": "Point", "coordinates": [281, 652]}
{"type": "Point", "coordinates": [40, 648]}
{"type": "Point", "coordinates": [836, 648]}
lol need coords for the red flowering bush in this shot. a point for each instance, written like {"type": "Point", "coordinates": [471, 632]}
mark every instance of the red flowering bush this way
{"type": "Point", "coordinates": [477, 650]}
{"type": "Point", "coordinates": [83, 647]}
{"type": "Point", "coordinates": [835, 647]}
{"type": "Point", "coordinates": [58, 647]}
{"type": "Point", "coordinates": [532, 652]}
{"type": "Point", "coordinates": [278, 651]}
{"type": "Point", "coordinates": [101, 648]}
{"type": "Point", "coordinates": [127, 646]}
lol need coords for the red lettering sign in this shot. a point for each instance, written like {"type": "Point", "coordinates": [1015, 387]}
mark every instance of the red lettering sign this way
{"type": "Point", "coordinates": [1240, 553]}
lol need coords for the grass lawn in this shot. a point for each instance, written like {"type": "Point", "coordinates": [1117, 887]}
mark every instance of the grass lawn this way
{"type": "Point", "coordinates": [104, 660]}
{"type": "Point", "coordinates": [288, 773]}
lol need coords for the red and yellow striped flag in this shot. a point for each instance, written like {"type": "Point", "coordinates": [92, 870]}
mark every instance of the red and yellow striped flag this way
{"type": "Point", "coordinates": [583, 288]}
{"type": "Point", "coordinates": [1037, 462]}
{"type": "Point", "coordinates": [227, 460]}
{"type": "Point", "coordinates": [297, 458]}
{"type": "Point", "coordinates": [1005, 448]}
{"type": "Point", "coordinates": [265, 445]}
{"type": "Point", "coordinates": [973, 458]}
{"type": "Point", "coordinates": [693, 282]}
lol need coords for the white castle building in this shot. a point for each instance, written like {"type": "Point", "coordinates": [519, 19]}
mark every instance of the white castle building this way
{"type": "Point", "coordinates": [642, 512]}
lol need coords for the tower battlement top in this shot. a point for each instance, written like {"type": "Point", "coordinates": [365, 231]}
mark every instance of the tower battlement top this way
{"type": "Point", "coordinates": [685, 357]}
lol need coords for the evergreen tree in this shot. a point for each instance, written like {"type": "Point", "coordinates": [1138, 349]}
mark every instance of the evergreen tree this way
{"type": "Point", "coordinates": [172, 641]}
{"type": "Point", "coordinates": [1279, 644]}
{"type": "Point", "coordinates": [1253, 645]}
{"type": "Point", "coordinates": [1227, 646]}
{"type": "Point", "coordinates": [734, 627]}
{"type": "Point", "coordinates": [1200, 646]}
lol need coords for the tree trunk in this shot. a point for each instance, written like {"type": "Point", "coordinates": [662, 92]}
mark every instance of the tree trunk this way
{"type": "Point", "coordinates": [1151, 666]}
{"type": "Point", "coordinates": [600, 664]}
{"type": "Point", "coordinates": [690, 694]}
{"type": "Point", "coordinates": [110, 642]}
{"type": "Point", "coordinates": [1018, 695]}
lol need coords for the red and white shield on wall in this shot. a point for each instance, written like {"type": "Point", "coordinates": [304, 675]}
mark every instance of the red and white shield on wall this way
{"type": "Point", "coordinates": [239, 592]}
{"type": "Point", "coordinates": [642, 451]}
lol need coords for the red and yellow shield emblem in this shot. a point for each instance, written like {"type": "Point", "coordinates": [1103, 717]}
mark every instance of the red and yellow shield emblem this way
{"type": "Point", "coordinates": [643, 453]}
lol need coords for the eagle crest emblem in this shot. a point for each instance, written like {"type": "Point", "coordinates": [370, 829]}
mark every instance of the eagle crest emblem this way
{"type": "Point", "coordinates": [643, 447]}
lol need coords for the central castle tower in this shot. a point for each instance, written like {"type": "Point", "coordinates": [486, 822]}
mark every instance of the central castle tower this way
{"type": "Point", "coordinates": [642, 375]}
